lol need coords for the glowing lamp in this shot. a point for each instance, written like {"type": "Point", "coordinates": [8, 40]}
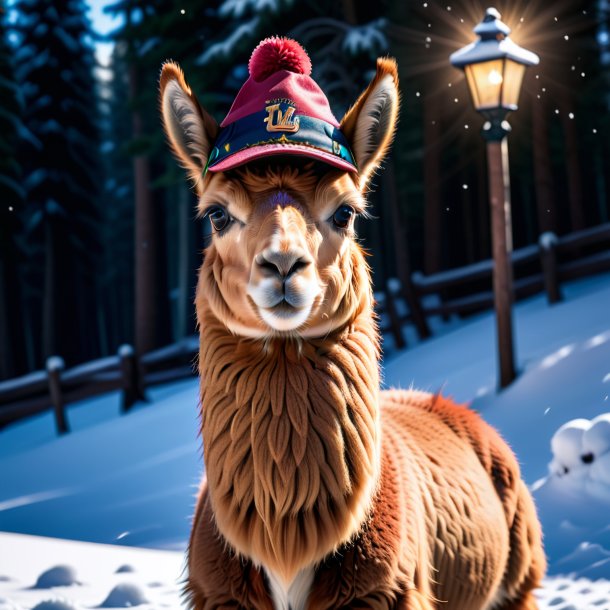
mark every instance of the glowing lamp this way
{"type": "Point", "coordinates": [494, 66]}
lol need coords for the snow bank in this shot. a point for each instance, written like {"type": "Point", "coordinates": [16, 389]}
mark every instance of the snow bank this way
{"type": "Point", "coordinates": [155, 581]}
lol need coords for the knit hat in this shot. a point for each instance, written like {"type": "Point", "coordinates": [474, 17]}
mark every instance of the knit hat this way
{"type": "Point", "coordinates": [280, 110]}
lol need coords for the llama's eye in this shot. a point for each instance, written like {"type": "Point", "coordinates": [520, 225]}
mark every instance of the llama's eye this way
{"type": "Point", "coordinates": [219, 218]}
{"type": "Point", "coordinates": [342, 216]}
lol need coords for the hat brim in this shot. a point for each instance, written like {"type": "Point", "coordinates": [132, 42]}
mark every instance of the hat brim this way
{"type": "Point", "coordinates": [266, 150]}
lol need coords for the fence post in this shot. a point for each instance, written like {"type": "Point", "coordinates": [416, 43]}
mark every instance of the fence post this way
{"type": "Point", "coordinates": [127, 362]}
{"type": "Point", "coordinates": [418, 315]}
{"type": "Point", "coordinates": [399, 339]}
{"type": "Point", "coordinates": [548, 260]}
{"type": "Point", "coordinates": [55, 365]}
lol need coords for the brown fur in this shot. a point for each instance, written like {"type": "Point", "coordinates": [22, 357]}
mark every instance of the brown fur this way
{"type": "Point", "coordinates": [398, 500]}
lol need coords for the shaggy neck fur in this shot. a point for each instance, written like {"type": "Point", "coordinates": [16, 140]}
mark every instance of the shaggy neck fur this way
{"type": "Point", "coordinates": [290, 436]}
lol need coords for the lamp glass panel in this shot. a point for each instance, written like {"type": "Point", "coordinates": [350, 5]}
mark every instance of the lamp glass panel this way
{"type": "Point", "coordinates": [513, 77]}
{"type": "Point", "coordinates": [485, 80]}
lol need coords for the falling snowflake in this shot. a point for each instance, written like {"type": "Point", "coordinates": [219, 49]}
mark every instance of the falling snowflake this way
{"type": "Point", "coordinates": [571, 115]}
{"type": "Point", "coordinates": [465, 187]}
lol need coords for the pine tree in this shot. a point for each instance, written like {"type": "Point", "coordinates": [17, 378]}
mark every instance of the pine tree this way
{"type": "Point", "coordinates": [61, 161]}
{"type": "Point", "coordinates": [12, 342]}
{"type": "Point", "coordinates": [117, 279]}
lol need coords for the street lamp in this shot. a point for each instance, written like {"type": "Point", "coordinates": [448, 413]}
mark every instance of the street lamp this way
{"type": "Point", "coordinates": [494, 66]}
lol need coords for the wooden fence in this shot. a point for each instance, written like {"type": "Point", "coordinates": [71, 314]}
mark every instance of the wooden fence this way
{"type": "Point", "coordinates": [468, 290]}
{"type": "Point", "coordinates": [462, 291]}
{"type": "Point", "coordinates": [57, 386]}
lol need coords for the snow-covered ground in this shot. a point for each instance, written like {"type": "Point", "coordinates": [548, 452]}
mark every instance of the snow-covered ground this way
{"type": "Point", "coordinates": [130, 480]}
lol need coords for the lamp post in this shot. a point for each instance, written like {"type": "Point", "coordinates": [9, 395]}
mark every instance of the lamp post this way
{"type": "Point", "coordinates": [494, 66]}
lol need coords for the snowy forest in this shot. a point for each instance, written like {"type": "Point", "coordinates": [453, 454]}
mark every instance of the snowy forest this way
{"type": "Point", "coordinates": [99, 243]}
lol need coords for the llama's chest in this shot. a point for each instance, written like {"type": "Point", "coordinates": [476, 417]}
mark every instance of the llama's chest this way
{"type": "Point", "coordinates": [293, 596]}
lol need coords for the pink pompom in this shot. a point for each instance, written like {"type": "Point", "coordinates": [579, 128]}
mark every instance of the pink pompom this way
{"type": "Point", "coordinates": [275, 54]}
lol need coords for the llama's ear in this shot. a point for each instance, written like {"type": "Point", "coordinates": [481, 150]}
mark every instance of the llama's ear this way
{"type": "Point", "coordinates": [191, 131]}
{"type": "Point", "coordinates": [370, 123]}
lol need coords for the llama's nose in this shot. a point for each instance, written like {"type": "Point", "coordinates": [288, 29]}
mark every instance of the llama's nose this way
{"type": "Point", "coordinates": [282, 264]}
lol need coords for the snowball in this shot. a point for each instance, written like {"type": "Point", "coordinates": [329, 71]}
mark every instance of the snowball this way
{"type": "Point", "coordinates": [124, 595]}
{"type": "Point", "coordinates": [596, 439]}
{"type": "Point", "coordinates": [59, 576]}
{"type": "Point", "coordinates": [566, 445]}
{"type": "Point", "coordinates": [600, 471]}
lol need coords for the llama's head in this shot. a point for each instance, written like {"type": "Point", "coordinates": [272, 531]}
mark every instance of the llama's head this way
{"type": "Point", "coordinates": [283, 259]}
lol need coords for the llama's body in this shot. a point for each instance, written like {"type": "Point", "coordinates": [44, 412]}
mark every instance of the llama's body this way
{"type": "Point", "coordinates": [323, 493]}
{"type": "Point", "coordinates": [449, 524]}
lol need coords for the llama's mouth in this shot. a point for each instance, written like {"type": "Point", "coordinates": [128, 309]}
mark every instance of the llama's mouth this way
{"type": "Point", "coordinates": [283, 309]}
{"type": "Point", "coordinates": [283, 316]}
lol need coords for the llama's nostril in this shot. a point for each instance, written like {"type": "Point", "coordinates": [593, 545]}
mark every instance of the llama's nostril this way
{"type": "Point", "coordinates": [282, 264]}
{"type": "Point", "coordinates": [297, 266]}
{"type": "Point", "coordinates": [270, 267]}
{"type": "Point", "coordinates": [587, 458]}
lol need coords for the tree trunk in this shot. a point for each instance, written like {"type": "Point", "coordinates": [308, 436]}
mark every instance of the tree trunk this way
{"type": "Point", "coordinates": [572, 158]}
{"type": "Point", "coordinates": [185, 291]}
{"type": "Point", "coordinates": [543, 173]}
{"type": "Point", "coordinates": [432, 179]}
{"type": "Point", "coordinates": [401, 252]}
{"type": "Point", "coordinates": [49, 343]}
{"type": "Point", "coordinates": [145, 236]}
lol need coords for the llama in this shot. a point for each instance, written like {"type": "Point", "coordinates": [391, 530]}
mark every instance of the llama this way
{"type": "Point", "coordinates": [321, 491]}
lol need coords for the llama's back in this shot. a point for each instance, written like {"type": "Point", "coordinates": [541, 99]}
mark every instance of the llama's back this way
{"type": "Point", "coordinates": [482, 535]}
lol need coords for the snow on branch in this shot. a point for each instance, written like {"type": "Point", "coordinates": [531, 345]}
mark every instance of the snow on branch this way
{"type": "Point", "coordinates": [367, 38]}
{"type": "Point", "coordinates": [225, 48]}
{"type": "Point", "coordinates": [235, 9]}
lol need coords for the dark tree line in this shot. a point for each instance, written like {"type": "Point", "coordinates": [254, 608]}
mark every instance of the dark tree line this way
{"type": "Point", "coordinates": [99, 243]}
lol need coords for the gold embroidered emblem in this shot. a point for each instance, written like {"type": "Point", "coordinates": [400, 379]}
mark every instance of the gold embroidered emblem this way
{"type": "Point", "coordinates": [281, 120]}
{"type": "Point", "coordinates": [227, 146]}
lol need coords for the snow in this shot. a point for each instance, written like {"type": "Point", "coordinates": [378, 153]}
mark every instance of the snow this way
{"type": "Point", "coordinates": [368, 38]}
{"type": "Point", "coordinates": [155, 581]}
{"type": "Point", "coordinates": [236, 9]}
{"type": "Point", "coordinates": [225, 48]}
{"type": "Point", "coordinates": [131, 480]}
{"type": "Point", "coordinates": [59, 576]}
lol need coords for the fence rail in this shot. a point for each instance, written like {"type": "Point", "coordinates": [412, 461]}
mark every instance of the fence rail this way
{"type": "Point", "coordinates": [540, 267]}
{"type": "Point", "coordinates": [463, 291]}
{"type": "Point", "coordinates": [55, 387]}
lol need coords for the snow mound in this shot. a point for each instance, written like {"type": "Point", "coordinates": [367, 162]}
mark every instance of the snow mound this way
{"type": "Point", "coordinates": [6, 604]}
{"type": "Point", "coordinates": [125, 568]}
{"type": "Point", "coordinates": [124, 595]}
{"type": "Point", "coordinates": [55, 604]}
{"type": "Point", "coordinates": [58, 576]}
{"type": "Point", "coordinates": [581, 456]}
{"type": "Point", "coordinates": [561, 593]}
